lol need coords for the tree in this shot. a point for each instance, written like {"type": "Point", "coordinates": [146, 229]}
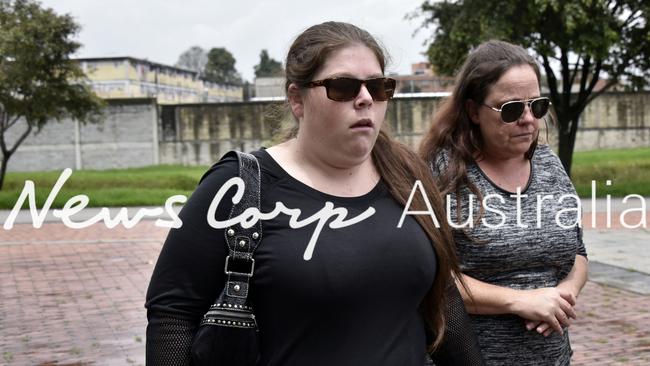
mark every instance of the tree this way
{"type": "Point", "coordinates": [221, 67]}
{"type": "Point", "coordinates": [194, 58]}
{"type": "Point", "coordinates": [268, 66]}
{"type": "Point", "coordinates": [38, 81]}
{"type": "Point", "coordinates": [577, 42]}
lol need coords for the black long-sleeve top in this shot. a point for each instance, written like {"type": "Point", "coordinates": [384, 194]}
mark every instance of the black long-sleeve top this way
{"type": "Point", "coordinates": [354, 302]}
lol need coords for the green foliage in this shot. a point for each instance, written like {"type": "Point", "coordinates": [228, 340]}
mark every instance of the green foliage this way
{"type": "Point", "coordinates": [38, 81]}
{"type": "Point", "coordinates": [577, 42]}
{"type": "Point", "coordinates": [614, 32]}
{"type": "Point", "coordinates": [268, 66]}
{"type": "Point", "coordinates": [220, 67]}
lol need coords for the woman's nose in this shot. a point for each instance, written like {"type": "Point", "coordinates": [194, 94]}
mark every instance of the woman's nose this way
{"type": "Point", "coordinates": [363, 99]}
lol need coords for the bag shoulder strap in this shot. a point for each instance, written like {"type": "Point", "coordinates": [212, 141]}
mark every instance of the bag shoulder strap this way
{"type": "Point", "coordinates": [232, 307]}
{"type": "Point", "coordinates": [242, 242]}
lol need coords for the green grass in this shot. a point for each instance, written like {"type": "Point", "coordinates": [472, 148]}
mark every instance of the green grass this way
{"type": "Point", "coordinates": [148, 186]}
{"type": "Point", "coordinates": [629, 171]}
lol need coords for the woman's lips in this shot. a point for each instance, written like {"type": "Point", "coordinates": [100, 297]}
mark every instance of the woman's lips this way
{"type": "Point", "coordinates": [363, 124]}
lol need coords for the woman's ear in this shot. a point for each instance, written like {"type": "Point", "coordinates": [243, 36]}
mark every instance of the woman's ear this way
{"type": "Point", "coordinates": [295, 101]}
{"type": "Point", "coordinates": [472, 110]}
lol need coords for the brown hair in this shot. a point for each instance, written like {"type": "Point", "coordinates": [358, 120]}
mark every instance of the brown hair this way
{"type": "Point", "coordinates": [398, 166]}
{"type": "Point", "coordinates": [452, 130]}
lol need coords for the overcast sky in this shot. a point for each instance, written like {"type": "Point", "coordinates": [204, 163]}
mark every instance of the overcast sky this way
{"type": "Point", "coordinates": [161, 30]}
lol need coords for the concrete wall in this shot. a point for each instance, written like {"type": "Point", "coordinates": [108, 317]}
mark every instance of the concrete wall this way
{"type": "Point", "coordinates": [269, 87]}
{"type": "Point", "coordinates": [611, 121]}
{"type": "Point", "coordinates": [137, 132]}
{"type": "Point", "coordinates": [127, 137]}
{"type": "Point", "coordinates": [410, 118]}
{"type": "Point", "coordinates": [200, 134]}
{"type": "Point", "coordinates": [615, 120]}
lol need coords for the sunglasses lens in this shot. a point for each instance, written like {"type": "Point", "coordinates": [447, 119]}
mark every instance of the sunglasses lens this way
{"type": "Point", "coordinates": [346, 89]}
{"type": "Point", "coordinates": [389, 87]}
{"type": "Point", "coordinates": [511, 111]}
{"type": "Point", "coordinates": [381, 89]}
{"type": "Point", "coordinates": [539, 107]}
{"type": "Point", "coordinates": [342, 89]}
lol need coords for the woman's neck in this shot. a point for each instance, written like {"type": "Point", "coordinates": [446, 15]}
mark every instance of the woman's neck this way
{"type": "Point", "coordinates": [338, 178]}
{"type": "Point", "coordinates": [507, 173]}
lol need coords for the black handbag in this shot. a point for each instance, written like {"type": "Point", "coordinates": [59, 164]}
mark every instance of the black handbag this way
{"type": "Point", "coordinates": [228, 332]}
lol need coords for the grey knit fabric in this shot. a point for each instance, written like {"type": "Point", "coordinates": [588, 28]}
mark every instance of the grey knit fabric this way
{"type": "Point", "coordinates": [511, 255]}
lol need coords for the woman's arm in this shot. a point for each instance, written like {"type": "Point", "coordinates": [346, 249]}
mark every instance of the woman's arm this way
{"type": "Point", "coordinates": [459, 345]}
{"type": "Point", "coordinates": [189, 273]}
{"type": "Point", "coordinates": [552, 305]}
{"type": "Point", "coordinates": [576, 279]}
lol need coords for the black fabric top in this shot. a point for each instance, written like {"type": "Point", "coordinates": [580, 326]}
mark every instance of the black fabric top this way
{"type": "Point", "coordinates": [353, 303]}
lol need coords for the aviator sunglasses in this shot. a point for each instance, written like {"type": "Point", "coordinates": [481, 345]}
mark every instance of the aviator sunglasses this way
{"type": "Point", "coordinates": [344, 89]}
{"type": "Point", "coordinates": [512, 111]}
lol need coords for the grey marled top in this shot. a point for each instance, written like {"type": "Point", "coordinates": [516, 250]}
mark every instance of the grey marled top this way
{"type": "Point", "coordinates": [511, 255]}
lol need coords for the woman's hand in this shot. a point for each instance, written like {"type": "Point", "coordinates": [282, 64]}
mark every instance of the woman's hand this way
{"type": "Point", "coordinates": [572, 285]}
{"type": "Point", "coordinates": [548, 309]}
{"type": "Point", "coordinates": [540, 327]}
{"type": "Point", "coordinates": [545, 328]}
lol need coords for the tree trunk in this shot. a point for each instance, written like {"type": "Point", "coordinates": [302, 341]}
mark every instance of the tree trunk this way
{"type": "Point", "coordinates": [565, 151]}
{"type": "Point", "coordinates": [567, 140]}
{"type": "Point", "coordinates": [3, 169]}
{"type": "Point", "coordinates": [6, 153]}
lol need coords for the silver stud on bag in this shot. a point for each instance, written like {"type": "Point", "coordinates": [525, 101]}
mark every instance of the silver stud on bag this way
{"type": "Point", "coordinates": [242, 243]}
{"type": "Point", "coordinates": [237, 288]}
{"type": "Point", "coordinates": [231, 232]}
{"type": "Point", "coordinates": [256, 235]}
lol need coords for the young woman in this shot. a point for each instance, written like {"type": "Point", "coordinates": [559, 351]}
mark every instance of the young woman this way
{"type": "Point", "coordinates": [365, 294]}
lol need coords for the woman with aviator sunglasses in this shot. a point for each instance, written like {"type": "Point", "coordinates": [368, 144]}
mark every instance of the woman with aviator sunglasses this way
{"type": "Point", "coordinates": [365, 294]}
{"type": "Point", "coordinates": [523, 260]}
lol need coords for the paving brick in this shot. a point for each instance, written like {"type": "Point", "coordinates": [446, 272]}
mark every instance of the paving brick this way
{"type": "Point", "coordinates": [76, 297]}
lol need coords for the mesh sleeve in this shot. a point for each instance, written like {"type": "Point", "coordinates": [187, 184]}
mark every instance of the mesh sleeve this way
{"type": "Point", "coordinates": [189, 273]}
{"type": "Point", "coordinates": [459, 345]}
{"type": "Point", "coordinates": [169, 341]}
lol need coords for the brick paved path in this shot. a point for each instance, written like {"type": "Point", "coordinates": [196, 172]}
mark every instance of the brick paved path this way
{"type": "Point", "coordinates": [613, 327]}
{"type": "Point", "coordinates": [75, 297]}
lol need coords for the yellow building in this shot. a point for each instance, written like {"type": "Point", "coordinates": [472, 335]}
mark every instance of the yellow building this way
{"type": "Point", "coordinates": [128, 77]}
